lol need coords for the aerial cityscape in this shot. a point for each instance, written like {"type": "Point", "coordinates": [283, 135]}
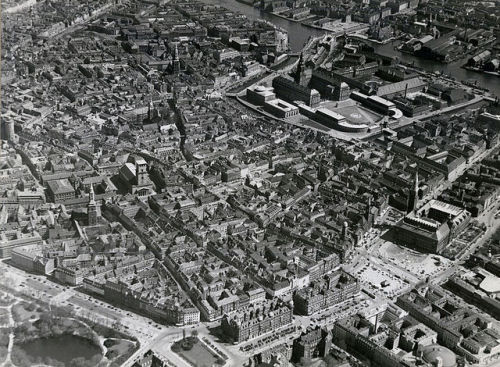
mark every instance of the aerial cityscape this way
{"type": "Point", "coordinates": [250, 183]}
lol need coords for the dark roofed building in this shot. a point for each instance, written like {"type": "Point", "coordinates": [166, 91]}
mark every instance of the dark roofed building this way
{"type": "Point", "coordinates": [291, 91]}
{"type": "Point", "coordinates": [312, 343]}
{"type": "Point", "coordinates": [431, 227]}
{"type": "Point", "coordinates": [60, 190]}
{"type": "Point", "coordinates": [402, 87]}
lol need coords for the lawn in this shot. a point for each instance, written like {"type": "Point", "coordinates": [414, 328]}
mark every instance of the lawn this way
{"type": "Point", "coordinates": [198, 354]}
{"type": "Point", "coordinates": [118, 347]}
{"type": "Point", "coordinates": [24, 311]}
{"type": "Point", "coordinates": [4, 343]}
{"type": "Point", "coordinates": [6, 299]}
{"type": "Point", "coordinates": [4, 316]}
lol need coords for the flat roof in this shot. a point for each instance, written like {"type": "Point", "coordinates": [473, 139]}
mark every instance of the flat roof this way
{"type": "Point", "coordinates": [279, 103]}
{"type": "Point", "coordinates": [350, 125]}
{"type": "Point", "coordinates": [381, 100]}
{"type": "Point", "coordinates": [490, 284]}
{"type": "Point", "coordinates": [334, 115]}
{"type": "Point", "coordinates": [359, 94]}
{"type": "Point", "coordinates": [445, 207]}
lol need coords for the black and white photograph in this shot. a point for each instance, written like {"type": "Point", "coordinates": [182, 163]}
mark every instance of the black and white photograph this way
{"type": "Point", "coordinates": [250, 183]}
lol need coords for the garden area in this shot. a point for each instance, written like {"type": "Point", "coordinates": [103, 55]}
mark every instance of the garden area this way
{"type": "Point", "coordinates": [23, 311]}
{"type": "Point", "coordinates": [6, 299]}
{"type": "Point", "coordinates": [55, 336]}
{"type": "Point", "coordinates": [4, 342]}
{"type": "Point", "coordinates": [4, 317]}
{"type": "Point", "coordinates": [117, 349]}
{"type": "Point", "coordinates": [196, 353]}
{"type": "Point", "coordinates": [51, 337]}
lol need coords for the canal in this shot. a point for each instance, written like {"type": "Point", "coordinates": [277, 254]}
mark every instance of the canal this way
{"type": "Point", "coordinates": [299, 34]}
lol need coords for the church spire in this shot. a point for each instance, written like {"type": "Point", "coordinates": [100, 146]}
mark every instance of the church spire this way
{"type": "Point", "coordinates": [91, 195]}
{"type": "Point", "coordinates": [92, 214]}
{"type": "Point", "coordinates": [176, 64]}
{"type": "Point", "coordinates": [151, 108]}
{"type": "Point", "coordinates": [413, 195]}
{"type": "Point", "coordinates": [176, 53]}
{"type": "Point", "coordinates": [416, 183]}
{"type": "Point", "coordinates": [300, 69]}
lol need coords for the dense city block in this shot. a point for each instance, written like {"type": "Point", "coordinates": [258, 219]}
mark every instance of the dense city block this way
{"type": "Point", "coordinates": [250, 183]}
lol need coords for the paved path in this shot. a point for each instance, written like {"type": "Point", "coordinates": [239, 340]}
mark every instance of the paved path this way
{"type": "Point", "coordinates": [11, 323]}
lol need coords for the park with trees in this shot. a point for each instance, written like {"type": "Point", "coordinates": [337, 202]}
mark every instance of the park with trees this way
{"type": "Point", "coordinates": [36, 333]}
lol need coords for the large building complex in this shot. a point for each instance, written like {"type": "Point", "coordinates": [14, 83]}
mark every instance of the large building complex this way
{"type": "Point", "coordinates": [289, 90]}
{"type": "Point", "coordinates": [431, 227]}
{"type": "Point", "coordinates": [463, 331]}
{"type": "Point", "coordinates": [265, 96]}
{"type": "Point", "coordinates": [332, 289]}
{"type": "Point", "coordinates": [255, 321]}
{"type": "Point", "coordinates": [391, 338]}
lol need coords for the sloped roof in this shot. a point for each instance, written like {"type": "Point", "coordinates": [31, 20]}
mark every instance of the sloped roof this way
{"type": "Point", "coordinates": [400, 86]}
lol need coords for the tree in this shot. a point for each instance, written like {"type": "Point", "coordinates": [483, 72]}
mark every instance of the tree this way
{"type": "Point", "coordinates": [117, 325]}
{"type": "Point", "coordinates": [65, 311]}
{"type": "Point", "coordinates": [20, 358]}
{"type": "Point", "coordinates": [176, 347]}
{"type": "Point", "coordinates": [95, 359]}
{"type": "Point", "coordinates": [52, 362]}
{"type": "Point", "coordinates": [79, 362]}
{"type": "Point", "coordinates": [56, 330]}
{"type": "Point", "coordinates": [46, 318]}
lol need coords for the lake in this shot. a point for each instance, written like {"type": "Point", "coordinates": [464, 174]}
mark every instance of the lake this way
{"type": "Point", "coordinates": [62, 348]}
{"type": "Point", "coordinates": [299, 34]}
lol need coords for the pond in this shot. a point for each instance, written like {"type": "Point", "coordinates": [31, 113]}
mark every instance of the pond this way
{"type": "Point", "coordinates": [62, 348]}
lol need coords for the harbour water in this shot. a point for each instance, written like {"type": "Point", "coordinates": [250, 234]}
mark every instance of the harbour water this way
{"type": "Point", "coordinates": [299, 34]}
{"type": "Point", "coordinates": [453, 69]}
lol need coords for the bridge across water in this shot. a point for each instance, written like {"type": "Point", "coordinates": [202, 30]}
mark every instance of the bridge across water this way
{"type": "Point", "coordinates": [298, 35]}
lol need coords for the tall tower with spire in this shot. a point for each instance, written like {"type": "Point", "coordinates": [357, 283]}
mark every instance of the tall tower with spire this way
{"type": "Point", "coordinates": [92, 208]}
{"type": "Point", "coordinates": [151, 108]}
{"type": "Point", "coordinates": [368, 210]}
{"type": "Point", "coordinates": [413, 195]}
{"type": "Point", "coordinates": [176, 64]}
{"type": "Point", "coordinates": [302, 75]}
{"type": "Point", "coordinates": [300, 66]}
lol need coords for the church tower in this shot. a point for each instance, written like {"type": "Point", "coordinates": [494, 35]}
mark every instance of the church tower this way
{"type": "Point", "coordinates": [151, 109]}
{"type": "Point", "coordinates": [368, 210]}
{"type": "Point", "coordinates": [300, 66]}
{"type": "Point", "coordinates": [176, 64]}
{"type": "Point", "coordinates": [141, 171]}
{"type": "Point", "coordinates": [92, 208]}
{"type": "Point", "coordinates": [345, 230]}
{"type": "Point", "coordinates": [413, 195]}
{"type": "Point", "coordinates": [302, 75]}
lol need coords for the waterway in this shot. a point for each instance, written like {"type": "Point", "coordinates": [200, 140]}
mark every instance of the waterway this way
{"type": "Point", "coordinates": [453, 68]}
{"type": "Point", "coordinates": [299, 34]}
{"type": "Point", "coordinates": [63, 348]}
